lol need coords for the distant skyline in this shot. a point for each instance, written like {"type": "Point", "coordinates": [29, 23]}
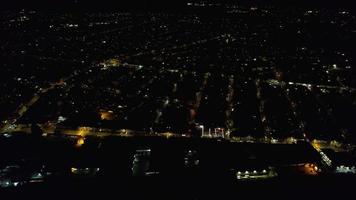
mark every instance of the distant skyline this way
{"type": "Point", "coordinates": [117, 4]}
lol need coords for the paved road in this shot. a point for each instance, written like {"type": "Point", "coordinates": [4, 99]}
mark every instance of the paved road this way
{"type": "Point", "coordinates": [22, 109]}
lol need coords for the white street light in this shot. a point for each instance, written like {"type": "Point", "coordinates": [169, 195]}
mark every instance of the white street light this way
{"type": "Point", "coordinates": [202, 130]}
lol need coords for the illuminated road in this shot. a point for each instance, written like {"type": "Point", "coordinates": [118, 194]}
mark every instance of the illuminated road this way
{"type": "Point", "coordinates": [25, 106]}
{"type": "Point", "coordinates": [22, 109]}
{"type": "Point", "coordinates": [262, 109]}
{"type": "Point", "coordinates": [325, 159]}
{"type": "Point", "coordinates": [201, 91]}
{"type": "Point", "coordinates": [229, 101]}
{"type": "Point", "coordinates": [308, 85]}
{"type": "Point", "coordinates": [49, 130]}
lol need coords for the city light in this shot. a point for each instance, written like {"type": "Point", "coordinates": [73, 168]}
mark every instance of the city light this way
{"type": "Point", "coordinates": [83, 131]}
{"type": "Point", "coordinates": [234, 90]}
{"type": "Point", "coordinates": [106, 115]}
{"type": "Point", "coordinates": [80, 142]}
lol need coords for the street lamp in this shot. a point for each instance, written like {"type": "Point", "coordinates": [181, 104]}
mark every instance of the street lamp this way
{"type": "Point", "coordinates": [202, 130]}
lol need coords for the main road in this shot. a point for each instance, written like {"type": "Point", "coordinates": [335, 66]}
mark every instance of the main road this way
{"type": "Point", "coordinates": [22, 109]}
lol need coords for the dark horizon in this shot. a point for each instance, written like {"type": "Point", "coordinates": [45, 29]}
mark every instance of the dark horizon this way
{"type": "Point", "coordinates": [163, 5]}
